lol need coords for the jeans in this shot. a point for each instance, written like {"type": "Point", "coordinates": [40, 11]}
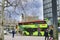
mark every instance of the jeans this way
{"type": "Point", "coordinates": [46, 38]}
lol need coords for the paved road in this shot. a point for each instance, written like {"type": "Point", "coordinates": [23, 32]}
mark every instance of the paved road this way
{"type": "Point", "coordinates": [9, 37]}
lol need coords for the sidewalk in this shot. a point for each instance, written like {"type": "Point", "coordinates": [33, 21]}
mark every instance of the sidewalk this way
{"type": "Point", "coordinates": [9, 37]}
{"type": "Point", "coordinates": [18, 37]}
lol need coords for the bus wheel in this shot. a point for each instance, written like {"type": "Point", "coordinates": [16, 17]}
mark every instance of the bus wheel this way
{"type": "Point", "coordinates": [25, 34]}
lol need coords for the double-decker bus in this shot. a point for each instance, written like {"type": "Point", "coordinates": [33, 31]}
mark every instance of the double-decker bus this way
{"type": "Point", "coordinates": [31, 28]}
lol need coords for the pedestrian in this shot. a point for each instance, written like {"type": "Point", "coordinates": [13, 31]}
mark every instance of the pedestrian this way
{"type": "Point", "coordinates": [51, 32]}
{"type": "Point", "coordinates": [39, 31]}
{"type": "Point", "coordinates": [13, 33]}
{"type": "Point", "coordinates": [46, 34]}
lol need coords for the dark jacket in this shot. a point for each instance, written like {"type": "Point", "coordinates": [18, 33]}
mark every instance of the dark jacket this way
{"type": "Point", "coordinates": [51, 33]}
{"type": "Point", "coordinates": [46, 33]}
{"type": "Point", "coordinates": [13, 32]}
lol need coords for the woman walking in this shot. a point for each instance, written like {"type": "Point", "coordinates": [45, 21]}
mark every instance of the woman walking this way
{"type": "Point", "coordinates": [51, 32]}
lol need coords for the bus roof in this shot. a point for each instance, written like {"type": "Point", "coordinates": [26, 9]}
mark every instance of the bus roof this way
{"type": "Point", "coordinates": [36, 21]}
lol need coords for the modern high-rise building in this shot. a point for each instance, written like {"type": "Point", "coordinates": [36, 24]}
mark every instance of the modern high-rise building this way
{"type": "Point", "coordinates": [47, 9]}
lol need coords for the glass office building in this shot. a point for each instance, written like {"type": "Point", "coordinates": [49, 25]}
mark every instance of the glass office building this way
{"type": "Point", "coordinates": [47, 9]}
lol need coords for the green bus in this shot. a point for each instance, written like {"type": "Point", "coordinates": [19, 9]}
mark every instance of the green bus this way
{"type": "Point", "coordinates": [31, 28]}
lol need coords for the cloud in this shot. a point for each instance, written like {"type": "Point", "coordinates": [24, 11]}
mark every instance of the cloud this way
{"type": "Point", "coordinates": [32, 5]}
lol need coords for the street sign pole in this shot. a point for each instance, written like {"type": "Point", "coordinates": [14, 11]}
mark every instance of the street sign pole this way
{"type": "Point", "coordinates": [54, 14]}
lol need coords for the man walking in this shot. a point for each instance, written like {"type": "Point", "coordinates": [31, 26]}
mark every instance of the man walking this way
{"type": "Point", "coordinates": [46, 34]}
{"type": "Point", "coordinates": [13, 33]}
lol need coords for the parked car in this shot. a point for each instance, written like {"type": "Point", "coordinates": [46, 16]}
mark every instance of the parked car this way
{"type": "Point", "coordinates": [5, 32]}
{"type": "Point", "coordinates": [11, 31]}
{"type": "Point", "coordinates": [58, 29]}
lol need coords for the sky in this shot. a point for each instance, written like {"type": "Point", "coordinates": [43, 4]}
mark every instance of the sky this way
{"type": "Point", "coordinates": [31, 6]}
{"type": "Point", "coordinates": [35, 7]}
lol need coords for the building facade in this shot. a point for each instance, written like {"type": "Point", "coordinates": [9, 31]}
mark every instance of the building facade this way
{"type": "Point", "coordinates": [29, 18]}
{"type": "Point", "coordinates": [47, 9]}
